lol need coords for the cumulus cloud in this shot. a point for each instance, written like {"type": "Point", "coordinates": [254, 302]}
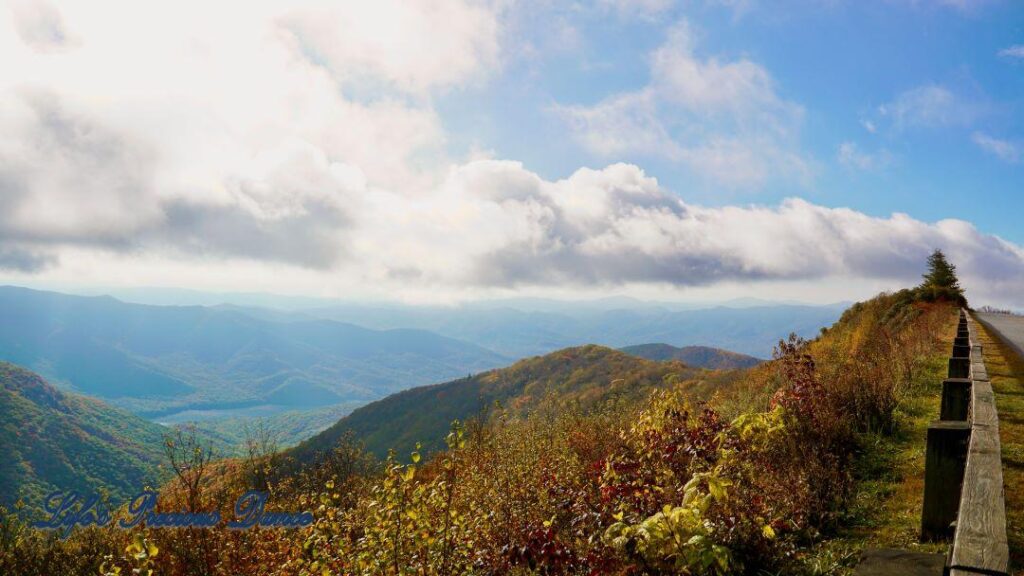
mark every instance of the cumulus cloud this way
{"type": "Point", "coordinates": [724, 119]}
{"type": "Point", "coordinates": [739, 89]}
{"type": "Point", "coordinates": [1005, 150]}
{"type": "Point", "coordinates": [65, 177]}
{"type": "Point", "coordinates": [414, 46]}
{"type": "Point", "coordinates": [1015, 51]}
{"type": "Point", "coordinates": [618, 226]}
{"type": "Point", "coordinates": [295, 206]}
{"type": "Point", "coordinates": [213, 132]}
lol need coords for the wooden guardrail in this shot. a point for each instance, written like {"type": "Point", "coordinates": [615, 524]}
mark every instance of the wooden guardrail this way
{"type": "Point", "coordinates": [963, 494]}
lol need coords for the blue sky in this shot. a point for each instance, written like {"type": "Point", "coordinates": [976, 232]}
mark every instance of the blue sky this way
{"type": "Point", "coordinates": [455, 150]}
{"type": "Point", "coordinates": [841, 62]}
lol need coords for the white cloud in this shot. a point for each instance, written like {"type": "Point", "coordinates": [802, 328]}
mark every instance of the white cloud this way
{"type": "Point", "coordinates": [40, 25]}
{"type": "Point", "coordinates": [929, 106]}
{"type": "Point", "coordinates": [617, 225]}
{"type": "Point", "coordinates": [221, 148]}
{"type": "Point", "coordinates": [1003, 149]}
{"type": "Point", "coordinates": [1015, 51]}
{"type": "Point", "coordinates": [493, 226]}
{"type": "Point", "coordinates": [221, 132]}
{"type": "Point", "coordinates": [851, 156]}
{"type": "Point", "coordinates": [622, 124]}
{"type": "Point", "coordinates": [414, 46]}
{"type": "Point", "coordinates": [739, 87]}
{"type": "Point", "coordinates": [724, 119]}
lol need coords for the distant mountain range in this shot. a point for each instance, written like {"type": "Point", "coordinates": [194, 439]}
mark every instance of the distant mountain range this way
{"type": "Point", "coordinates": [749, 328]}
{"type": "Point", "coordinates": [155, 360]}
{"type": "Point", "coordinates": [521, 327]}
{"type": "Point", "coordinates": [699, 356]}
{"type": "Point", "coordinates": [585, 375]}
{"type": "Point", "coordinates": [302, 368]}
{"type": "Point", "coordinates": [167, 296]}
{"type": "Point", "coordinates": [57, 441]}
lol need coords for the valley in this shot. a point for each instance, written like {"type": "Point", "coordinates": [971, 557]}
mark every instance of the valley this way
{"type": "Point", "coordinates": [225, 366]}
{"type": "Point", "coordinates": [161, 360]}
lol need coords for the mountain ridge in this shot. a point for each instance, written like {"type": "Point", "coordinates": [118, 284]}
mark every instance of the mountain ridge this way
{"type": "Point", "coordinates": [154, 358]}
{"type": "Point", "coordinates": [515, 332]}
{"type": "Point", "coordinates": [699, 356]}
{"type": "Point", "coordinates": [583, 375]}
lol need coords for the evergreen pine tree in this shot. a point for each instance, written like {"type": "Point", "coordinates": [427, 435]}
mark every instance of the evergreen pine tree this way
{"type": "Point", "coordinates": [941, 283]}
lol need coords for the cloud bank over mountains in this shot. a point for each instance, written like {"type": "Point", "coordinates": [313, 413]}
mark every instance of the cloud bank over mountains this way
{"type": "Point", "coordinates": [617, 225]}
{"type": "Point", "coordinates": [285, 144]}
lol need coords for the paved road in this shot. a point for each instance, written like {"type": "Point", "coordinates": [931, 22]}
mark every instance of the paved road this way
{"type": "Point", "coordinates": [1011, 328]}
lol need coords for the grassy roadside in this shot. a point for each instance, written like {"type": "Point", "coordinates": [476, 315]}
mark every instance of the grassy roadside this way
{"type": "Point", "coordinates": [886, 508]}
{"type": "Point", "coordinates": [1006, 370]}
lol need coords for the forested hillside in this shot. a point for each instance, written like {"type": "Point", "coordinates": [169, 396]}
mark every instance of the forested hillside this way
{"type": "Point", "coordinates": [580, 376]}
{"type": "Point", "coordinates": [58, 441]}
{"type": "Point", "coordinates": [698, 356]}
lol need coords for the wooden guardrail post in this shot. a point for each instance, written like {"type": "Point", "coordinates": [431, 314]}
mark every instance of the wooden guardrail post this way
{"type": "Point", "coordinates": [960, 367]}
{"type": "Point", "coordinates": [960, 361]}
{"type": "Point", "coordinates": [963, 492]}
{"type": "Point", "coordinates": [947, 442]}
{"type": "Point", "coordinates": [956, 399]}
{"type": "Point", "coordinates": [945, 459]}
